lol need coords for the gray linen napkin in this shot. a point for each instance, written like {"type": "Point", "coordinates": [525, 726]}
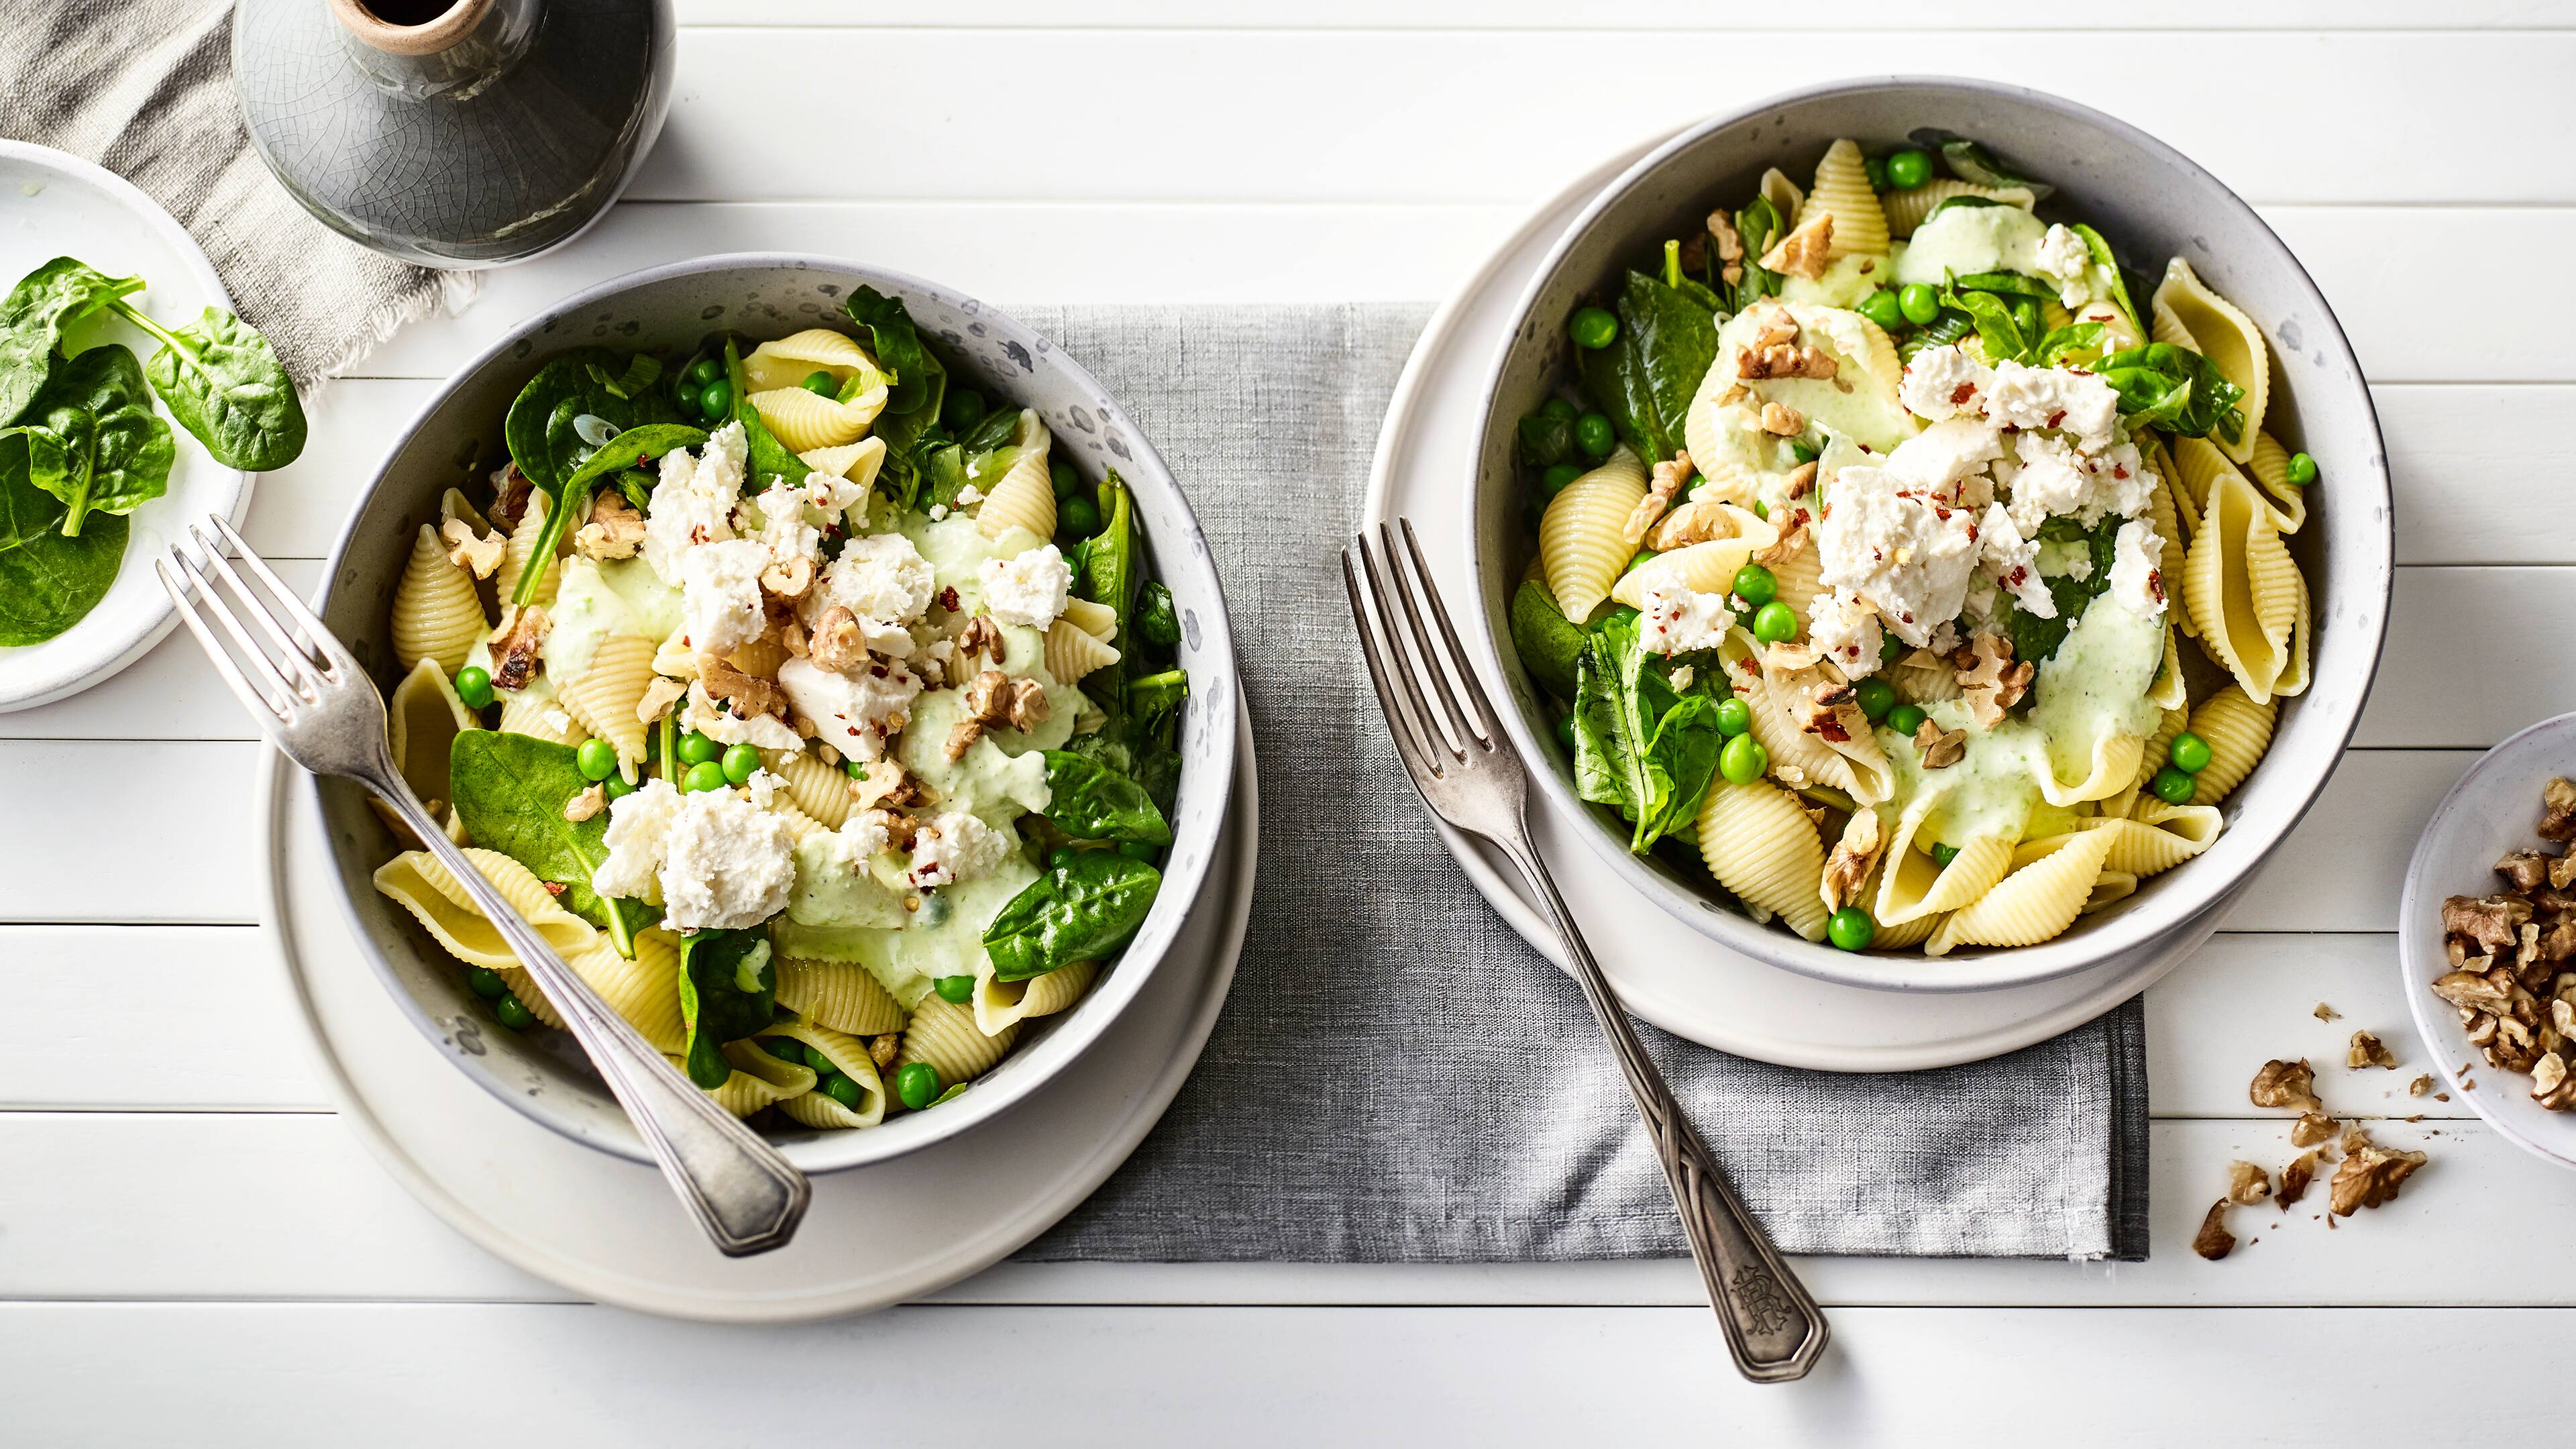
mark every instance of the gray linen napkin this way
{"type": "Point", "coordinates": [144, 88]}
{"type": "Point", "coordinates": [1397, 1077]}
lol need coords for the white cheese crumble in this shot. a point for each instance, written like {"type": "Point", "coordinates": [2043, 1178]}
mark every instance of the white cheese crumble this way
{"type": "Point", "coordinates": [852, 715]}
{"type": "Point", "coordinates": [720, 609]}
{"type": "Point", "coordinates": [638, 826]}
{"type": "Point", "coordinates": [1846, 631]}
{"type": "Point", "coordinates": [1677, 620]}
{"type": "Point", "coordinates": [882, 577]}
{"type": "Point", "coordinates": [767, 731]}
{"type": "Point", "coordinates": [694, 501]}
{"type": "Point", "coordinates": [954, 847]}
{"type": "Point", "coordinates": [726, 864]}
{"type": "Point", "coordinates": [2063, 258]}
{"type": "Point", "coordinates": [782, 528]}
{"type": "Point", "coordinates": [1029, 590]}
{"type": "Point", "coordinates": [1904, 554]}
{"type": "Point", "coordinates": [2054, 397]}
{"type": "Point", "coordinates": [2013, 561]}
{"type": "Point", "coordinates": [1945, 455]}
{"type": "Point", "coordinates": [1944, 382]}
{"type": "Point", "coordinates": [764, 788]}
{"type": "Point", "coordinates": [2135, 557]}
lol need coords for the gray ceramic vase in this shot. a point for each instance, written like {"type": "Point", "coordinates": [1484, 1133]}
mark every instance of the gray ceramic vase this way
{"type": "Point", "coordinates": [454, 133]}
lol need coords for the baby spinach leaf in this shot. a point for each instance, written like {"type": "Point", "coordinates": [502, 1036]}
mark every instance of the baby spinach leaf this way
{"type": "Point", "coordinates": [48, 581]}
{"type": "Point", "coordinates": [1759, 224]}
{"type": "Point", "coordinates": [223, 383]}
{"type": "Point", "coordinates": [630, 449]}
{"type": "Point", "coordinates": [1994, 323]}
{"type": "Point", "coordinates": [2036, 639]}
{"type": "Point", "coordinates": [766, 458]}
{"type": "Point", "coordinates": [728, 990]}
{"type": "Point", "coordinates": [511, 791]}
{"type": "Point", "coordinates": [1970, 161]}
{"type": "Point", "coordinates": [542, 427]}
{"type": "Point", "coordinates": [1546, 441]}
{"type": "Point", "coordinates": [94, 441]}
{"type": "Point", "coordinates": [2008, 283]}
{"type": "Point", "coordinates": [1549, 647]}
{"type": "Point", "coordinates": [1157, 620]}
{"type": "Point", "coordinates": [1646, 377]}
{"type": "Point", "coordinates": [2110, 265]}
{"type": "Point", "coordinates": [915, 381]}
{"type": "Point", "coordinates": [1640, 746]}
{"type": "Point", "coordinates": [1109, 577]}
{"type": "Point", "coordinates": [32, 319]}
{"type": "Point", "coordinates": [1090, 801]}
{"type": "Point", "coordinates": [2169, 386]}
{"type": "Point", "coordinates": [641, 371]}
{"type": "Point", "coordinates": [1080, 911]}
{"type": "Point", "coordinates": [2075, 340]}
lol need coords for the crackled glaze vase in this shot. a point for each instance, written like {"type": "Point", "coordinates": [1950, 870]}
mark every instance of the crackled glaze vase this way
{"type": "Point", "coordinates": [454, 133]}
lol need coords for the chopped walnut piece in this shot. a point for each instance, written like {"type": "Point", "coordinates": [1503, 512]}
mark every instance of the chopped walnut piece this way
{"type": "Point", "coordinates": [1699, 521]}
{"type": "Point", "coordinates": [2562, 872]}
{"type": "Point", "coordinates": [1793, 539]}
{"type": "Point", "coordinates": [1778, 327]}
{"type": "Point", "coordinates": [750, 694]}
{"type": "Point", "coordinates": [1670, 475]}
{"type": "Point", "coordinates": [1787, 360]}
{"type": "Point", "coordinates": [2311, 1129]}
{"type": "Point", "coordinates": [2527, 870]}
{"type": "Point", "coordinates": [586, 804]}
{"type": "Point", "coordinates": [1730, 246]}
{"type": "Point", "coordinates": [2286, 1084]}
{"type": "Point", "coordinates": [837, 643]}
{"type": "Point", "coordinates": [2247, 1184]}
{"type": "Point", "coordinates": [2473, 991]}
{"type": "Point", "coordinates": [2370, 1177]}
{"type": "Point", "coordinates": [1800, 479]}
{"type": "Point", "coordinates": [992, 701]}
{"type": "Point", "coordinates": [2558, 810]}
{"type": "Point", "coordinates": [478, 556]}
{"type": "Point", "coordinates": [2325, 1012]}
{"type": "Point", "coordinates": [658, 698]}
{"type": "Point", "coordinates": [1848, 868]}
{"type": "Point", "coordinates": [981, 636]}
{"type": "Point", "coordinates": [2493, 922]}
{"type": "Point", "coordinates": [881, 1049]}
{"type": "Point", "coordinates": [2420, 1085]}
{"type": "Point", "coordinates": [2355, 1138]}
{"type": "Point", "coordinates": [1941, 748]}
{"type": "Point", "coordinates": [515, 647]}
{"type": "Point", "coordinates": [615, 529]}
{"type": "Point", "coordinates": [1806, 251]}
{"type": "Point", "coordinates": [2214, 1241]}
{"type": "Point", "coordinates": [510, 493]}
{"type": "Point", "coordinates": [1782, 420]}
{"type": "Point", "coordinates": [2551, 1086]}
{"type": "Point", "coordinates": [2368, 1050]}
{"type": "Point", "coordinates": [2295, 1178]}
{"type": "Point", "coordinates": [1989, 678]}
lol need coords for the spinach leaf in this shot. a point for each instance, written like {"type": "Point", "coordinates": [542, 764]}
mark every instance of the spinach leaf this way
{"type": "Point", "coordinates": [2110, 265]}
{"type": "Point", "coordinates": [2036, 639]}
{"type": "Point", "coordinates": [47, 581]}
{"type": "Point", "coordinates": [1994, 323]}
{"type": "Point", "coordinates": [728, 990]}
{"type": "Point", "coordinates": [93, 439]}
{"type": "Point", "coordinates": [915, 382]}
{"type": "Point", "coordinates": [1546, 441]}
{"type": "Point", "coordinates": [1548, 646]}
{"type": "Point", "coordinates": [1970, 161]}
{"type": "Point", "coordinates": [2165, 385]}
{"type": "Point", "coordinates": [1157, 620]}
{"type": "Point", "coordinates": [2077, 340]}
{"type": "Point", "coordinates": [2009, 283]}
{"type": "Point", "coordinates": [1109, 576]}
{"type": "Point", "coordinates": [1090, 801]}
{"type": "Point", "coordinates": [1639, 745]}
{"type": "Point", "coordinates": [223, 383]}
{"type": "Point", "coordinates": [511, 790]}
{"type": "Point", "coordinates": [1080, 911]}
{"type": "Point", "coordinates": [641, 370]}
{"type": "Point", "coordinates": [32, 319]}
{"type": "Point", "coordinates": [1759, 224]}
{"type": "Point", "coordinates": [766, 458]}
{"type": "Point", "coordinates": [542, 429]}
{"type": "Point", "coordinates": [630, 449]}
{"type": "Point", "coordinates": [1645, 378]}
{"type": "Point", "coordinates": [994, 432]}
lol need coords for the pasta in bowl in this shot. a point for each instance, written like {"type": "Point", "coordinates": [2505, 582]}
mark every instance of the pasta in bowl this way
{"type": "Point", "coordinates": [1925, 564]}
{"type": "Point", "coordinates": [844, 693]}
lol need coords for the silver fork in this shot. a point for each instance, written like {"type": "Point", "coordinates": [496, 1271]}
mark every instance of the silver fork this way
{"type": "Point", "coordinates": [1471, 776]}
{"type": "Point", "coordinates": [317, 705]}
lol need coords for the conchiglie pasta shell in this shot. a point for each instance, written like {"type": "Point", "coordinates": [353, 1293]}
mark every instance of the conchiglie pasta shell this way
{"type": "Point", "coordinates": [416, 881]}
{"type": "Point", "coordinates": [2241, 587]}
{"type": "Point", "coordinates": [2238, 729]}
{"type": "Point", "coordinates": [1912, 885]}
{"type": "Point", "coordinates": [2294, 675]}
{"type": "Point", "coordinates": [2167, 521]}
{"type": "Point", "coordinates": [538, 712]}
{"type": "Point", "coordinates": [759, 1079]}
{"type": "Point", "coordinates": [2151, 758]}
{"type": "Point", "coordinates": [806, 421]}
{"type": "Point", "coordinates": [454, 504]}
{"type": "Point", "coordinates": [822, 791]}
{"type": "Point", "coordinates": [760, 658]}
{"type": "Point", "coordinates": [946, 1036]}
{"type": "Point", "coordinates": [1760, 845]}
{"type": "Point", "coordinates": [853, 462]}
{"type": "Point", "coordinates": [849, 1056]}
{"type": "Point", "coordinates": [1093, 618]}
{"type": "Point", "coordinates": [2150, 846]}
{"type": "Point", "coordinates": [2228, 338]}
{"type": "Point", "coordinates": [1580, 538]}
{"type": "Point", "coordinates": [2170, 689]}
{"type": "Point", "coordinates": [515, 560]}
{"type": "Point", "coordinates": [789, 360]}
{"type": "Point", "coordinates": [1906, 210]}
{"type": "Point", "coordinates": [1923, 677]}
{"type": "Point", "coordinates": [605, 695]}
{"type": "Point", "coordinates": [2035, 903]}
{"type": "Point", "coordinates": [1072, 654]}
{"type": "Point", "coordinates": [1800, 579]}
{"type": "Point", "coordinates": [422, 721]}
{"type": "Point", "coordinates": [1000, 1004]}
{"type": "Point", "coordinates": [2110, 764]}
{"type": "Point", "coordinates": [1707, 567]}
{"type": "Point", "coordinates": [843, 995]}
{"type": "Point", "coordinates": [1021, 498]}
{"type": "Point", "coordinates": [2270, 466]}
{"type": "Point", "coordinates": [645, 990]}
{"type": "Point", "coordinates": [2109, 889]}
{"type": "Point", "coordinates": [437, 615]}
{"type": "Point", "coordinates": [1842, 188]}
{"type": "Point", "coordinates": [1784, 196]}
{"type": "Point", "coordinates": [2164, 325]}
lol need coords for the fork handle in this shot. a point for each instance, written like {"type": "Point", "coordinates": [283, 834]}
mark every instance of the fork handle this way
{"type": "Point", "coordinates": [1773, 1327]}
{"type": "Point", "coordinates": [746, 1196]}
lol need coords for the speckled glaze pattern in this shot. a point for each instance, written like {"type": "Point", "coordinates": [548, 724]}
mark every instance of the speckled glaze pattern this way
{"type": "Point", "coordinates": [456, 439]}
{"type": "Point", "coordinates": [2152, 203]}
{"type": "Point", "coordinates": [500, 148]}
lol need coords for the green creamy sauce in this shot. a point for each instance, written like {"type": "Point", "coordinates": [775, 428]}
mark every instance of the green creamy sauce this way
{"type": "Point", "coordinates": [596, 600]}
{"type": "Point", "coordinates": [1970, 239]}
{"type": "Point", "coordinates": [2096, 684]}
{"type": "Point", "coordinates": [944, 938]}
{"type": "Point", "coordinates": [1845, 283]}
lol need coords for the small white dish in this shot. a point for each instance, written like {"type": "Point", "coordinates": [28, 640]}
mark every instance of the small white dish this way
{"type": "Point", "coordinates": [2494, 808]}
{"type": "Point", "coordinates": [55, 205]}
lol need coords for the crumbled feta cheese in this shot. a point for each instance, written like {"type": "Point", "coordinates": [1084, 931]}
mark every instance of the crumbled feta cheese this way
{"type": "Point", "coordinates": [694, 501]}
{"type": "Point", "coordinates": [726, 865]}
{"type": "Point", "coordinates": [638, 825]}
{"type": "Point", "coordinates": [782, 528]}
{"type": "Point", "coordinates": [852, 715]}
{"type": "Point", "coordinates": [2135, 557]}
{"type": "Point", "coordinates": [767, 731]}
{"type": "Point", "coordinates": [953, 848]}
{"type": "Point", "coordinates": [1677, 620]}
{"type": "Point", "coordinates": [861, 836]}
{"type": "Point", "coordinates": [720, 609]}
{"type": "Point", "coordinates": [1029, 590]}
{"type": "Point", "coordinates": [1906, 555]}
{"type": "Point", "coordinates": [2012, 561]}
{"type": "Point", "coordinates": [2063, 258]}
{"type": "Point", "coordinates": [558, 721]}
{"type": "Point", "coordinates": [1944, 382]}
{"type": "Point", "coordinates": [969, 496]}
{"type": "Point", "coordinates": [2055, 397]}
{"type": "Point", "coordinates": [830, 493]}
{"type": "Point", "coordinates": [938, 512]}
{"type": "Point", "coordinates": [881, 577]}
{"type": "Point", "coordinates": [1846, 631]}
{"type": "Point", "coordinates": [1945, 455]}
{"type": "Point", "coordinates": [1683, 676]}
{"type": "Point", "coordinates": [2051, 479]}
{"type": "Point", "coordinates": [765, 788]}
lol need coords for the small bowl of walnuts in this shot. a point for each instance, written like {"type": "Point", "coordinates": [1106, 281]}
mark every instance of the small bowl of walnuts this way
{"type": "Point", "coordinates": [2487, 938]}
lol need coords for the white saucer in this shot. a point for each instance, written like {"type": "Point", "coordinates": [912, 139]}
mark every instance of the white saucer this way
{"type": "Point", "coordinates": [610, 1231]}
{"type": "Point", "coordinates": [51, 205]}
{"type": "Point", "coordinates": [1666, 972]}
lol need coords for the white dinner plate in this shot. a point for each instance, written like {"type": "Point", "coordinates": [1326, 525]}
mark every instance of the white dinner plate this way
{"type": "Point", "coordinates": [55, 205]}
{"type": "Point", "coordinates": [611, 1231]}
{"type": "Point", "coordinates": [1666, 972]}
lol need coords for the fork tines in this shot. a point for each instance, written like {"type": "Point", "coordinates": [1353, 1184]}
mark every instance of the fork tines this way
{"type": "Point", "coordinates": [276, 670]}
{"type": "Point", "coordinates": [1436, 742]}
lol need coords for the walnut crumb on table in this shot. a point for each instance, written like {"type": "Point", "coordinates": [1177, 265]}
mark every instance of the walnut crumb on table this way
{"type": "Point", "coordinates": [2368, 1051]}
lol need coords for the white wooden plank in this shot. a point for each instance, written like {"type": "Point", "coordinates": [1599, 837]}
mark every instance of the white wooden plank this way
{"type": "Point", "coordinates": [2467, 660]}
{"type": "Point", "coordinates": [2342, 868]}
{"type": "Point", "coordinates": [232, 1377]}
{"type": "Point", "coordinates": [2016, 18]}
{"type": "Point", "coordinates": [152, 832]}
{"type": "Point", "coordinates": [1414, 115]}
{"type": "Point", "coordinates": [157, 1018]}
{"type": "Point", "coordinates": [2248, 997]}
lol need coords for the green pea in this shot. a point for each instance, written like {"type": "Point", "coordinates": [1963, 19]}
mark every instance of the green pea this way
{"type": "Point", "coordinates": [1565, 731]}
{"type": "Point", "coordinates": [855, 769]}
{"type": "Point", "coordinates": [486, 983]}
{"type": "Point", "coordinates": [1775, 623]}
{"type": "Point", "coordinates": [697, 749]}
{"type": "Point", "coordinates": [615, 786]}
{"type": "Point", "coordinates": [474, 686]}
{"type": "Point", "coordinates": [820, 383]}
{"type": "Point", "coordinates": [955, 990]}
{"type": "Point", "coordinates": [2303, 470]}
{"type": "Point", "coordinates": [786, 1048]}
{"type": "Point", "coordinates": [1557, 408]}
{"type": "Point", "coordinates": [818, 1059]}
{"type": "Point", "coordinates": [1851, 929]}
{"type": "Point", "coordinates": [2174, 787]}
{"type": "Point", "coordinates": [1060, 858]}
{"type": "Point", "coordinates": [1593, 328]}
{"type": "Point", "coordinates": [917, 1085]}
{"type": "Point", "coordinates": [1908, 169]}
{"type": "Point", "coordinates": [739, 763]}
{"type": "Point", "coordinates": [513, 1012]}
{"type": "Point", "coordinates": [689, 409]}
{"type": "Point", "coordinates": [1743, 760]}
{"type": "Point", "coordinates": [1077, 517]}
{"type": "Point", "coordinates": [1889, 646]}
{"type": "Point", "coordinates": [963, 410]}
{"type": "Point", "coordinates": [1138, 850]}
{"type": "Point", "coordinates": [1061, 475]}
{"type": "Point", "coordinates": [701, 372]}
{"type": "Point", "coordinates": [1920, 302]}
{"type": "Point", "coordinates": [716, 398]}
{"type": "Point", "coordinates": [596, 759]}
{"type": "Point", "coordinates": [1553, 481]}
{"type": "Point", "coordinates": [1756, 585]}
{"type": "Point", "coordinates": [1642, 555]}
{"type": "Point", "coordinates": [2025, 315]}
{"type": "Point", "coordinates": [1882, 308]}
{"type": "Point", "coordinates": [1942, 855]}
{"type": "Point", "coordinates": [842, 1089]}
{"type": "Point", "coordinates": [1875, 168]}
{"type": "Point", "coordinates": [1594, 435]}
{"type": "Point", "coordinates": [1905, 719]}
{"type": "Point", "coordinates": [1876, 698]}
{"type": "Point", "coordinates": [704, 775]}
{"type": "Point", "coordinates": [1734, 716]}
{"type": "Point", "coordinates": [2188, 753]}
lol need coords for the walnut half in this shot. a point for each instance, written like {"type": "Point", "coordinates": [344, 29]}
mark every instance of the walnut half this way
{"type": "Point", "coordinates": [2369, 1177]}
{"type": "Point", "coordinates": [2368, 1050]}
{"type": "Point", "coordinates": [2286, 1084]}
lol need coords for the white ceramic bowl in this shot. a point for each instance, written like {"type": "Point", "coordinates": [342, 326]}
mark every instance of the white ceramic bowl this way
{"type": "Point", "coordinates": [2494, 808]}
{"type": "Point", "coordinates": [457, 437]}
{"type": "Point", "coordinates": [2152, 203]}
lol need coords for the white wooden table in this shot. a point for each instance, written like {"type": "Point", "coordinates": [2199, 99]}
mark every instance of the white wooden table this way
{"type": "Point", "coordinates": [192, 1249]}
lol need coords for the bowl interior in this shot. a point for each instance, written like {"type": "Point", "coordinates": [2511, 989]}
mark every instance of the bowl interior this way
{"type": "Point", "coordinates": [456, 439]}
{"type": "Point", "coordinates": [2152, 204]}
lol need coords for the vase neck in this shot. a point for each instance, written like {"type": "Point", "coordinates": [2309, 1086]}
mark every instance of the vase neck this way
{"type": "Point", "coordinates": [433, 49]}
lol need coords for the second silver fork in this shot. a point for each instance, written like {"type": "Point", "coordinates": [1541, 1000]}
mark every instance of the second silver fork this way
{"type": "Point", "coordinates": [1470, 775]}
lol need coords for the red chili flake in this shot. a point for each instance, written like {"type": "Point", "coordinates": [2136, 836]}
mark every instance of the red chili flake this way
{"type": "Point", "coordinates": [1972, 533]}
{"type": "Point", "coordinates": [878, 670]}
{"type": "Point", "coordinates": [948, 598]}
{"type": "Point", "coordinates": [2156, 585]}
{"type": "Point", "coordinates": [2118, 471]}
{"type": "Point", "coordinates": [553, 887]}
{"type": "Point", "coordinates": [2015, 578]}
{"type": "Point", "coordinates": [2056, 417]}
{"type": "Point", "coordinates": [697, 533]}
{"type": "Point", "coordinates": [1748, 666]}
{"type": "Point", "coordinates": [1940, 513]}
{"type": "Point", "coordinates": [1832, 729]}
{"type": "Point", "coordinates": [1908, 618]}
{"type": "Point", "coordinates": [1959, 395]}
